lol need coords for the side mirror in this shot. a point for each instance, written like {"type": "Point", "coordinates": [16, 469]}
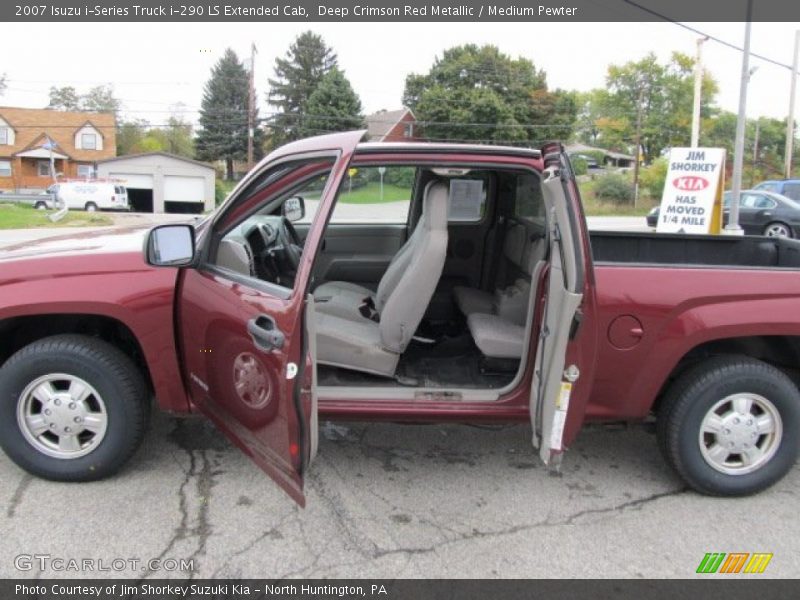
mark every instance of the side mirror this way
{"type": "Point", "coordinates": [170, 246]}
{"type": "Point", "coordinates": [294, 208]}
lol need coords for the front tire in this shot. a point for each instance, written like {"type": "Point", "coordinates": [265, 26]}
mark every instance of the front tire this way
{"type": "Point", "coordinates": [91, 207]}
{"type": "Point", "coordinates": [72, 408]}
{"type": "Point", "coordinates": [730, 425]}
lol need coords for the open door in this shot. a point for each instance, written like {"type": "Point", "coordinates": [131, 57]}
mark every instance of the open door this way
{"type": "Point", "coordinates": [247, 339]}
{"type": "Point", "coordinates": [552, 383]}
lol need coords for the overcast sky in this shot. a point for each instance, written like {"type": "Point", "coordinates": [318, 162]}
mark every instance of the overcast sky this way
{"type": "Point", "coordinates": [153, 66]}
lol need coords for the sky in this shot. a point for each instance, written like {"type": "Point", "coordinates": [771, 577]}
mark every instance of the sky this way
{"type": "Point", "coordinates": [155, 66]}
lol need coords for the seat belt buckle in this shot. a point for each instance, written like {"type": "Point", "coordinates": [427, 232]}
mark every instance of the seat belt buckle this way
{"type": "Point", "coordinates": [367, 310]}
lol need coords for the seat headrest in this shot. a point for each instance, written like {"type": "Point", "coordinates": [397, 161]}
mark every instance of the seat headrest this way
{"type": "Point", "coordinates": [434, 205]}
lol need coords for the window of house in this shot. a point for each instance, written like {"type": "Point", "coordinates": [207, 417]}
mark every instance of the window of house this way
{"type": "Point", "coordinates": [85, 171]}
{"type": "Point", "coordinates": [408, 130]}
{"type": "Point", "coordinates": [3, 136]}
{"type": "Point", "coordinates": [88, 141]}
{"type": "Point", "coordinates": [5, 168]}
{"type": "Point", "coordinates": [43, 168]}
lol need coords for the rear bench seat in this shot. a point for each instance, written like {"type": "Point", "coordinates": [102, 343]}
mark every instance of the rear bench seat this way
{"type": "Point", "coordinates": [497, 320]}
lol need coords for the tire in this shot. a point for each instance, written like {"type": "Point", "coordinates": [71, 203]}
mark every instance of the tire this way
{"type": "Point", "coordinates": [726, 386]}
{"type": "Point", "coordinates": [91, 207]}
{"type": "Point", "coordinates": [110, 406]}
{"type": "Point", "coordinates": [40, 206]}
{"type": "Point", "coordinates": [777, 229]}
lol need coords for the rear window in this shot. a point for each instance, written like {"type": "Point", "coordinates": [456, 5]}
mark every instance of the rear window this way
{"type": "Point", "coordinates": [118, 189]}
{"type": "Point", "coordinates": [528, 200]}
{"type": "Point", "coordinates": [792, 190]}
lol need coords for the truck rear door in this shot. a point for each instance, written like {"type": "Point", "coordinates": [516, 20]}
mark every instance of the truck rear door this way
{"type": "Point", "coordinates": [247, 343]}
{"type": "Point", "coordinates": [551, 388]}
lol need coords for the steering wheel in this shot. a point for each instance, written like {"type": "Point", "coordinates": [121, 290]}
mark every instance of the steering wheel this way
{"type": "Point", "coordinates": [291, 242]}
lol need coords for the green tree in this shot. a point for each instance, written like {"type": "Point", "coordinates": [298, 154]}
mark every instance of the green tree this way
{"type": "Point", "coordinates": [297, 76]}
{"type": "Point", "coordinates": [101, 99]}
{"type": "Point", "coordinates": [129, 136]}
{"type": "Point", "coordinates": [333, 106]}
{"type": "Point", "coordinates": [480, 94]}
{"type": "Point", "coordinates": [661, 94]}
{"type": "Point", "coordinates": [64, 98]}
{"type": "Point", "coordinates": [223, 114]}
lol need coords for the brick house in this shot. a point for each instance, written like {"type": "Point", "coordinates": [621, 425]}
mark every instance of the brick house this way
{"type": "Point", "coordinates": [391, 126]}
{"type": "Point", "coordinates": [79, 139]}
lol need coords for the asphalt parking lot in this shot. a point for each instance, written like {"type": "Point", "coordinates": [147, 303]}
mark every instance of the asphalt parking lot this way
{"type": "Point", "coordinates": [395, 501]}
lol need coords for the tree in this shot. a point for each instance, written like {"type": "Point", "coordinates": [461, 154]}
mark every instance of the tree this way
{"type": "Point", "coordinates": [333, 106]}
{"type": "Point", "coordinates": [64, 98]}
{"type": "Point", "coordinates": [97, 99]}
{"type": "Point", "coordinates": [223, 114]}
{"type": "Point", "coordinates": [297, 76]}
{"type": "Point", "coordinates": [130, 135]}
{"type": "Point", "coordinates": [481, 94]}
{"type": "Point", "coordinates": [661, 95]}
{"type": "Point", "coordinates": [2, 84]}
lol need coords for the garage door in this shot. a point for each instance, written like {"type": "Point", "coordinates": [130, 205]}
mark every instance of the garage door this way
{"type": "Point", "coordinates": [134, 180]}
{"type": "Point", "coordinates": [179, 188]}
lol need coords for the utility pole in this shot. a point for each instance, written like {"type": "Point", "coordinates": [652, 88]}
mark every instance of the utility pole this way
{"type": "Point", "coordinates": [755, 153]}
{"type": "Point", "coordinates": [698, 90]}
{"type": "Point", "coordinates": [790, 119]}
{"type": "Point", "coordinates": [733, 227]}
{"type": "Point", "coordinates": [251, 107]}
{"type": "Point", "coordinates": [637, 149]}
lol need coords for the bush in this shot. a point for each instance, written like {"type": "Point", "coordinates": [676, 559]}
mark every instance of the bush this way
{"type": "Point", "coordinates": [401, 176]}
{"type": "Point", "coordinates": [579, 165]}
{"type": "Point", "coordinates": [220, 192]}
{"type": "Point", "coordinates": [652, 178]}
{"type": "Point", "coordinates": [614, 188]}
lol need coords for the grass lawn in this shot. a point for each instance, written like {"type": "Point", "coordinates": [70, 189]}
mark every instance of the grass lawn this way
{"type": "Point", "coordinates": [15, 216]}
{"type": "Point", "coordinates": [371, 193]}
{"type": "Point", "coordinates": [597, 208]}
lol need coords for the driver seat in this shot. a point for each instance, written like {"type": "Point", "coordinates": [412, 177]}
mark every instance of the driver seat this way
{"type": "Point", "coordinates": [373, 344]}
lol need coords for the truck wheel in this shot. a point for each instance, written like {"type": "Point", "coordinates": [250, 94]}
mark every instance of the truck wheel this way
{"type": "Point", "coordinates": [72, 408]}
{"type": "Point", "coordinates": [91, 207]}
{"type": "Point", "coordinates": [729, 426]}
{"type": "Point", "coordinates": [40, 206]}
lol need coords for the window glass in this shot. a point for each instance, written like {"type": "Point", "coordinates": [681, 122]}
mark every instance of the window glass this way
{"type": "Point", "coordinates": [5, 168]}
{"type": "Point", "coordinates": [792, 190]}
{"type": "Point", "coordinates": [466, 202]}
{"type": "Point", "coordinates": [88, 141]}
{"type": "Point", "coordinates": [3, 135]}
{"type": "Point", "coordinates": [767, 186]}
{"type": "Point", "coordinates": [528, 199]}
{"type": "Point", "coordinates": [369, 195]}
{"type": "Point", "coordinates": [256, 247]}
{"type": "Point", "coordinates": [43, 168]}
{"type": "Point", "coordinates": [85, 171]}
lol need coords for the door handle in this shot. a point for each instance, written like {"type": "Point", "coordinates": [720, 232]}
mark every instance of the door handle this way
{"type": "Point", "coordinates": [266, 336]}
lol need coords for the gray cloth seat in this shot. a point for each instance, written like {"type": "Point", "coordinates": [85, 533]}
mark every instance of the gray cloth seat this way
{"type": "Point", "coordinates": [495, 336]}
{"type": "Point", "coordinates": [349, 340]}
{"type": "Point", "coordinates": [343, 298]}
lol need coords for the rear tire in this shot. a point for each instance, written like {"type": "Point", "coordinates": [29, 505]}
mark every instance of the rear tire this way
{"type": "Point", "coordinates": [730, 426]}
{"type": "Point", "coordinates": [40, 206]}
{"type": "Point", "coordinates": [72, 408]}
{"type": "Point", "coordinates": [777, 229]}
{"type": "Point", "coordinates": [91, 207]}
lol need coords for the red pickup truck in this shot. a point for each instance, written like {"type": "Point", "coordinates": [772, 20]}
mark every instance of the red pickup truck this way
{"type": "Point", "coordinates": [402, 282]}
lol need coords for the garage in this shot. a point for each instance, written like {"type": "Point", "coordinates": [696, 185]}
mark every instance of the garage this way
{"type": "Point", "coordinates": [162, 182]}
{"type": "Point", "coordinates": [140, 190]}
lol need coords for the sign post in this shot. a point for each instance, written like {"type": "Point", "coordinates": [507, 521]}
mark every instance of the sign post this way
{"type": "Point", "coordinates": [692, 199]}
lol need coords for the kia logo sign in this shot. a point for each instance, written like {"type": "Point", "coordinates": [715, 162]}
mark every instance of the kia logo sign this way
{"type": "Point", "coordinates": [691, 183]}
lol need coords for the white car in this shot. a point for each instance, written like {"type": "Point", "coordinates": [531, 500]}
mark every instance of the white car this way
{"type": "Point", "coordinates": [90, 195]}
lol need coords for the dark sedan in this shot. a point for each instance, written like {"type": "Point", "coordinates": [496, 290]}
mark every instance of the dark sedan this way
{"type": "Point", "coordinates": [760, 213]}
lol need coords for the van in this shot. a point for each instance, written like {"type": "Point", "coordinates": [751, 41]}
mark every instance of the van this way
{"type": "Point", "coordinates": [91, 195]}
{"type": "Point", "coordinates": [786, 187]}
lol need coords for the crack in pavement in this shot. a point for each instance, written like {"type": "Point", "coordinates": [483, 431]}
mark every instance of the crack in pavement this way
{"type": "Point", "coordinates": [19, 493]}
{"type": "Point", "coordinates": [205, 481]}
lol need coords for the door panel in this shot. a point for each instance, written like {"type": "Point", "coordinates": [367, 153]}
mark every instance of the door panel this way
{"type": "Point", "coordinates": [358, 253]}
{"type": "Point", "coordinates": [550, 391]}
{"type": "Point", "coordinates": [248, 360]}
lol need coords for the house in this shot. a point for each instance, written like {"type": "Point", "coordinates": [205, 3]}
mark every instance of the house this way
{"type": "Point", "coordinates": [391, 126]}
{"type": "Point", "coordinates": [162, 182]}
{"type": "Point", "coordinates": [28, 135]}
{"type": "Point", "coordinates": [610, 158]}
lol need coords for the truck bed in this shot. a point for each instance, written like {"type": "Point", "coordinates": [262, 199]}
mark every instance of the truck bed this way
{"type": "Point", "coordinates": [694, 250]}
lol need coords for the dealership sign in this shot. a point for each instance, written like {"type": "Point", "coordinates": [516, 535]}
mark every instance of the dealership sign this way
{"type": "Point", "coordinates": [691, 202]}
